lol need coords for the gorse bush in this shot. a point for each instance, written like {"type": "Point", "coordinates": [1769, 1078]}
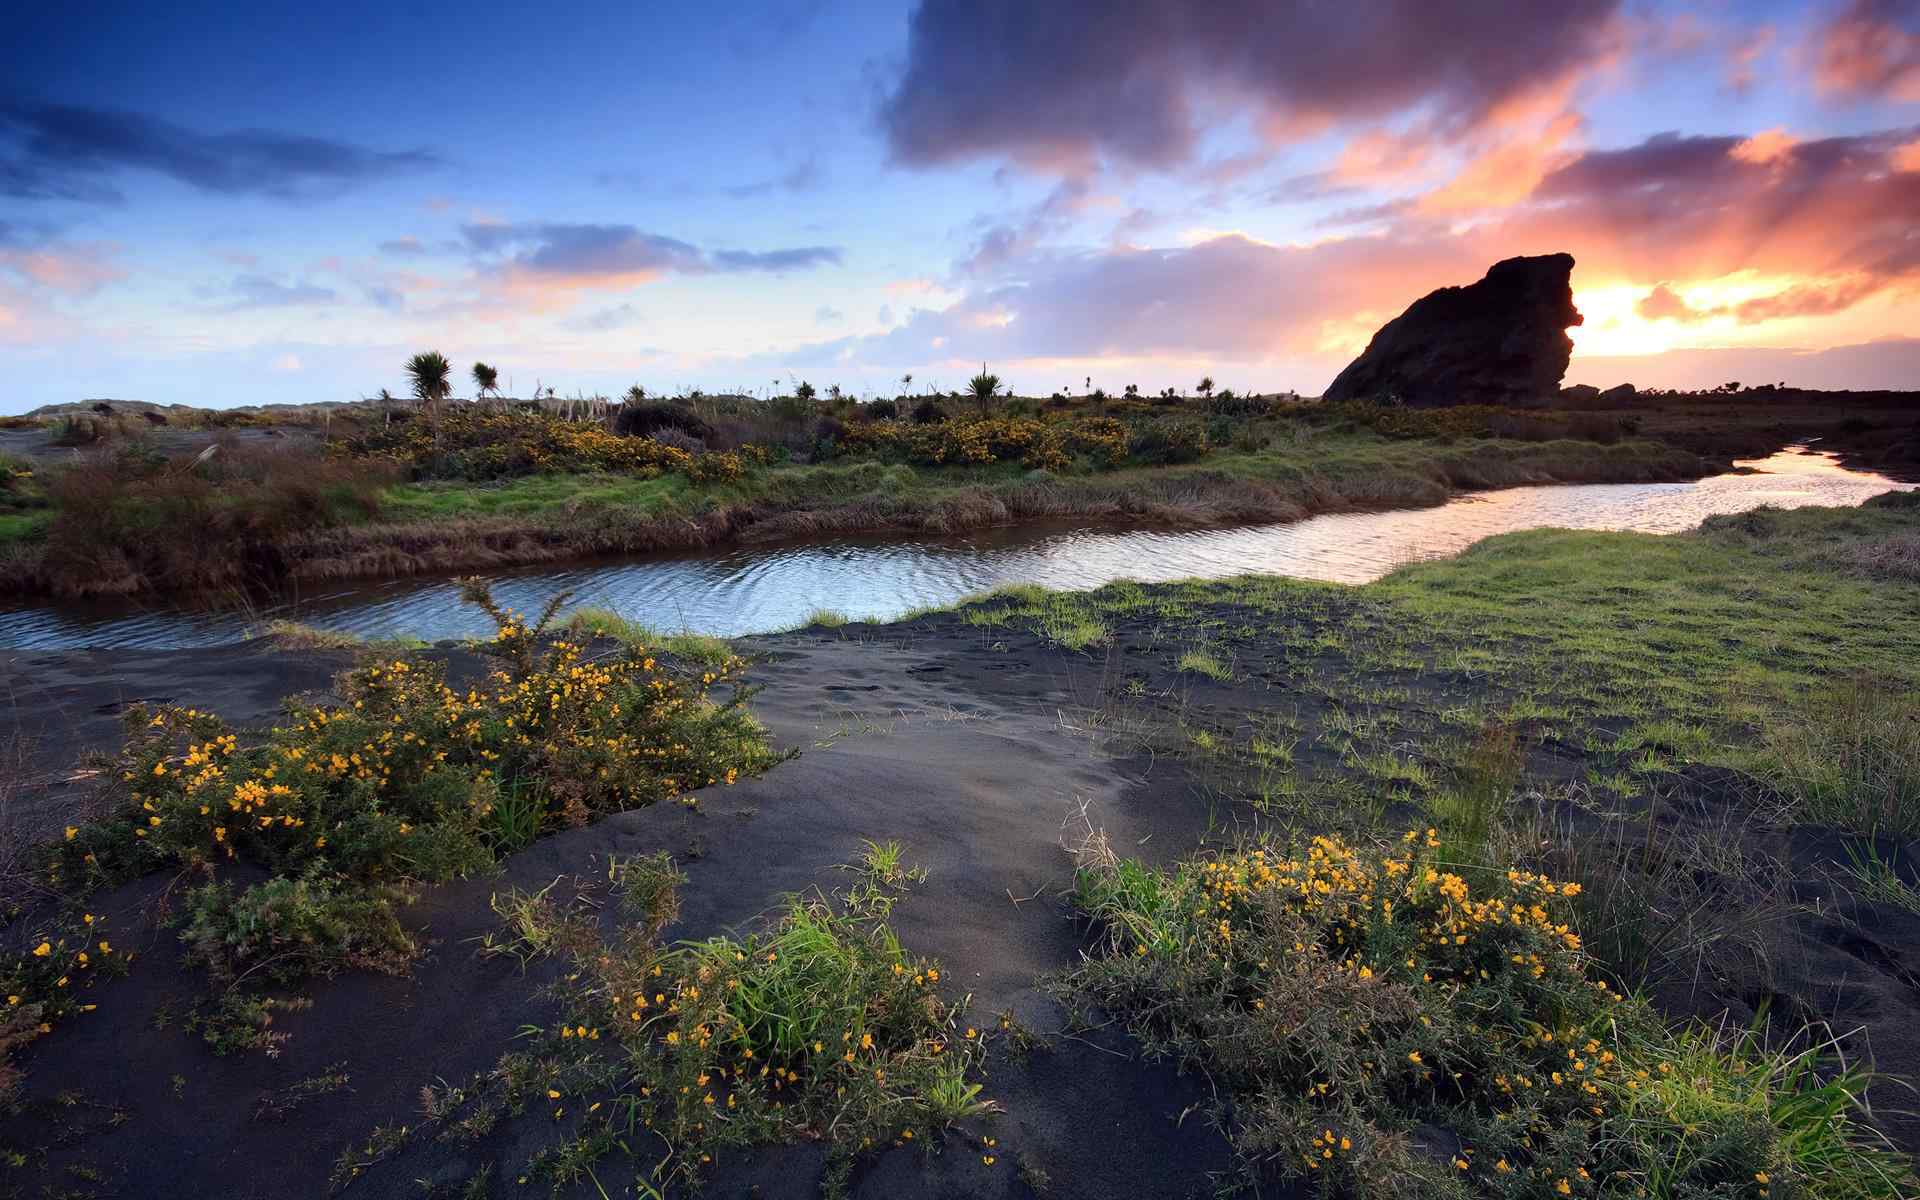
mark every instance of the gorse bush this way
{"type": "Point", "coordinates": [403, 779]}
{"type": "Point", "coordinates": [818, 1026]}
{"type": "Point", "coordinates": [481, 444]}
{"type": "Point", "coordinates": [1385, 1028]}
{"type": "Point", "coordinates": [1102, 441]}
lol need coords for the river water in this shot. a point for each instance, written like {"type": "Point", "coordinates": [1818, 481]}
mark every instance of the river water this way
{"type": "Point", "coordinates": [758, 589]}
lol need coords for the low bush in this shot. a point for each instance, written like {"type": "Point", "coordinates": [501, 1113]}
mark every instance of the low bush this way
{"type": "Point", "coordinates": [135, 520]}
{"type": "Point", "coordinates": [1033, 443]}
{"type": "Point", "coordinates": [647, 420]}
{"type": "Point", "coordinates": [482, 444]}
{"type": "Point", "coordinates": [1385, 1028]}
{"type": "Point", "coordinates": [820, 1026]}
{"type": "Point", "coordinates": [1486, 420]}
{"type": "Point", "coordinates": [929, 412]}
{"type": "Point", "coordinates": [400, 779]}
{"type": "Point", "coordinates": [1164, 441]}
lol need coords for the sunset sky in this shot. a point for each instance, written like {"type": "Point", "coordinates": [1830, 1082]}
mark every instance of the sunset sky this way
{"type": "Point", "coordinates": [222, 204]}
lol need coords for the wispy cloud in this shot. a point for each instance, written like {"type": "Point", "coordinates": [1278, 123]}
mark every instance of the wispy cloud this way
{"type": "Point", "coordinates": [72, 152]}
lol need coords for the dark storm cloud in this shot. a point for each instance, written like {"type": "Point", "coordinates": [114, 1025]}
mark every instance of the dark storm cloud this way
{"type": "Point", "coordinates": [55, 151]}
{"type": "Point", "coordinates": [1063, 83]}
{"type": "Point", "coordinates": [586, 252]}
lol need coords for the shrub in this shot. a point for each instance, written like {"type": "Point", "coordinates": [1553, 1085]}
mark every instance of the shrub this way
{"type": "Point", "coordinates": [1384, 1028]}
{"type": "Point", "coordinates": [133, 519]}
{"type": "Point", "coordinates": [678, 441]}
{"type": "Point", "coordinates": [880, 410]}
{"type": "Point", "coordinates": [498, 444]}
{"type": "Point", "coordinates": [295, 927]}
{"type": "Point", "coordinates": [817, 1026]}
{"type": "Point", "coordinates": [1164, 441]}
{"type": "Point", "coordinates": [648, 420]}
{"type": "Point", "coordinates": [401, 778]}
{"type": "Point", "coordinates": [928, 412]}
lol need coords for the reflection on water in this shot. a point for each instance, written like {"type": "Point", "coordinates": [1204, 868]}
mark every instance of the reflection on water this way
{"type": "Point", "coordinates": [758, 589]}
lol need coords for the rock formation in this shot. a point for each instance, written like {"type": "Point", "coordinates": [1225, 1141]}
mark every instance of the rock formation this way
{"type": "Point", "coordinates": [1502, 340]}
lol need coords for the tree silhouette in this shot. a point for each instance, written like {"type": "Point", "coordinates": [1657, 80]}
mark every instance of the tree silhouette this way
{"type": "Point", "coordinates": [432, 377]}
{"type": "Point", "coordinates": [983, 387]}
{"type": "Point", "coordinates": [486, 381]}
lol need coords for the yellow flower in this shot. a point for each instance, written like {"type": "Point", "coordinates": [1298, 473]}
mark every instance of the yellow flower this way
{"type": "Point", "coordinates": [42, 950]}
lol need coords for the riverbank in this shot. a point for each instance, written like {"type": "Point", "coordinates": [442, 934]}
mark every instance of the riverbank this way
{"type": "Point", "coordinates": [425, 528]}
{"type": "Point", "coordinates": [1687, 726]}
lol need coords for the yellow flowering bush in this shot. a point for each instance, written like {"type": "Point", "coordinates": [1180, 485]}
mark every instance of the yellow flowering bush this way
{"type": "Point", "coordinates": [817, 1026]}
{"type": "Point", "coordinates": [42, 983]}
{"type": "Point", "coordinates": [1038, 444]}
{"type": "Point", "coordinates": [480, 444]}
{"type": "Point", "coordinates": [1388, 1024]}
{"type": "Point", "coordinates": [403, 778]}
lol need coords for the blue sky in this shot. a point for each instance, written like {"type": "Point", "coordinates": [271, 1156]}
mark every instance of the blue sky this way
{"type": "Point", "coordinates": [215, 204]}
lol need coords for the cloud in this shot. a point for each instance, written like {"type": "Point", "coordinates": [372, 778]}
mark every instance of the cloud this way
{"type": "Point", "coordinates": [68, 152]}
{"type": "Point", "coordinates": [1870, 49]}
{"type": "Point", "coordinates": [65, 268]}
{"type": "Point", "coordinates": [827, 315]}
{"type": "Point", "coordinates": [404, 247]}
{"type": "Point", "coordinates": [260, 291]}
{"type": "Point", "coordinates": [1065, 85]}
{"type": "Point", "coordinates": [620, 316]}
{"type": "Point", "coordinates": [1824, 224]}
{"type": "Point", "coordinates": [803, 176]}
{"type": "Point", "coordinates": [554, 254]}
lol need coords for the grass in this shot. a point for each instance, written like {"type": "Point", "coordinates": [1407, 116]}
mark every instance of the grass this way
{"type": "Point", "coordinates": [689, 647]}
{"type": "Point", "coordinates": [1848, 756]}
{"type": "Point", "coordinates": [108, 529]}
{"type": "Point", "coordinates": [1350, 999]}
{"type": "Point", "coordinates": [817, 1026]}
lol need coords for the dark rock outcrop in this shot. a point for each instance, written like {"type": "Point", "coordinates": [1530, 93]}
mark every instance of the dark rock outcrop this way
{"type": "Point", "coordinates": [1502, 340]}
{"type": "Point", "coordinates": [1619, 397]}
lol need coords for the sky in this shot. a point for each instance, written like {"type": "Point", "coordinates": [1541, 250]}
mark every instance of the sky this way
{"type": "Point", "coordinates": [221, 204]}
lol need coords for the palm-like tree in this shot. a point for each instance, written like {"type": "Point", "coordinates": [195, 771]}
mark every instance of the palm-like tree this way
{"type": "Point", "coordinates": [1205, 387]}
{"type": "Point", "coordinates": [983, 388]}
{"type": "Point", "coordinates": [486, 381]}
{"type": "Point", "coordinates": [804, 393]}
{"type": "Point", "coordinates": [906, 384]}
{"type": "Point", "coordinates": [432, 377]}
{"type": "Point", "coordinates": [636, 395]}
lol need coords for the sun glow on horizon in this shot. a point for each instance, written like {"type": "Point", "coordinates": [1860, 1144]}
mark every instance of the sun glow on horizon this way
{"type": "Point", "coordinates": [1628, 318]}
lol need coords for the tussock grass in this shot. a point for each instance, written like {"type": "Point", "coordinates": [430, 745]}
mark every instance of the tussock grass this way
{"type": "Point", "coordinates": [1848, 756]}
{"type": "Point", "coordinates": [690, 647]}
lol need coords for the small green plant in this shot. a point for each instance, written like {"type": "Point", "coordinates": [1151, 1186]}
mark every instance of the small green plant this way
{"type": "Point", "coordinates": [1849, 757]}
{"type": "Point", "coordinates": [818, 1026]}
{"type": "Point", "coordinates": [1873, 877]}
{"type": "Point", "coordinates": [1488, 774]}
{"type": "Point", "coordinates": [1203, 661]}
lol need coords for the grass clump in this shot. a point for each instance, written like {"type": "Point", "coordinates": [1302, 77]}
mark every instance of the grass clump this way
{"type": "Point", "coordinates": [403, 779]}
{"type": "Point", "coordinates": [1849, 757]}
{"type": "Point", "coordinates": [690, 647]}
{"type": "Point", "coordinates": [1384, 1027]}
{"type": "Point", "coordinates": [1205, 662]}
{"type": "Point", "coordinates": [817, 1026]}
